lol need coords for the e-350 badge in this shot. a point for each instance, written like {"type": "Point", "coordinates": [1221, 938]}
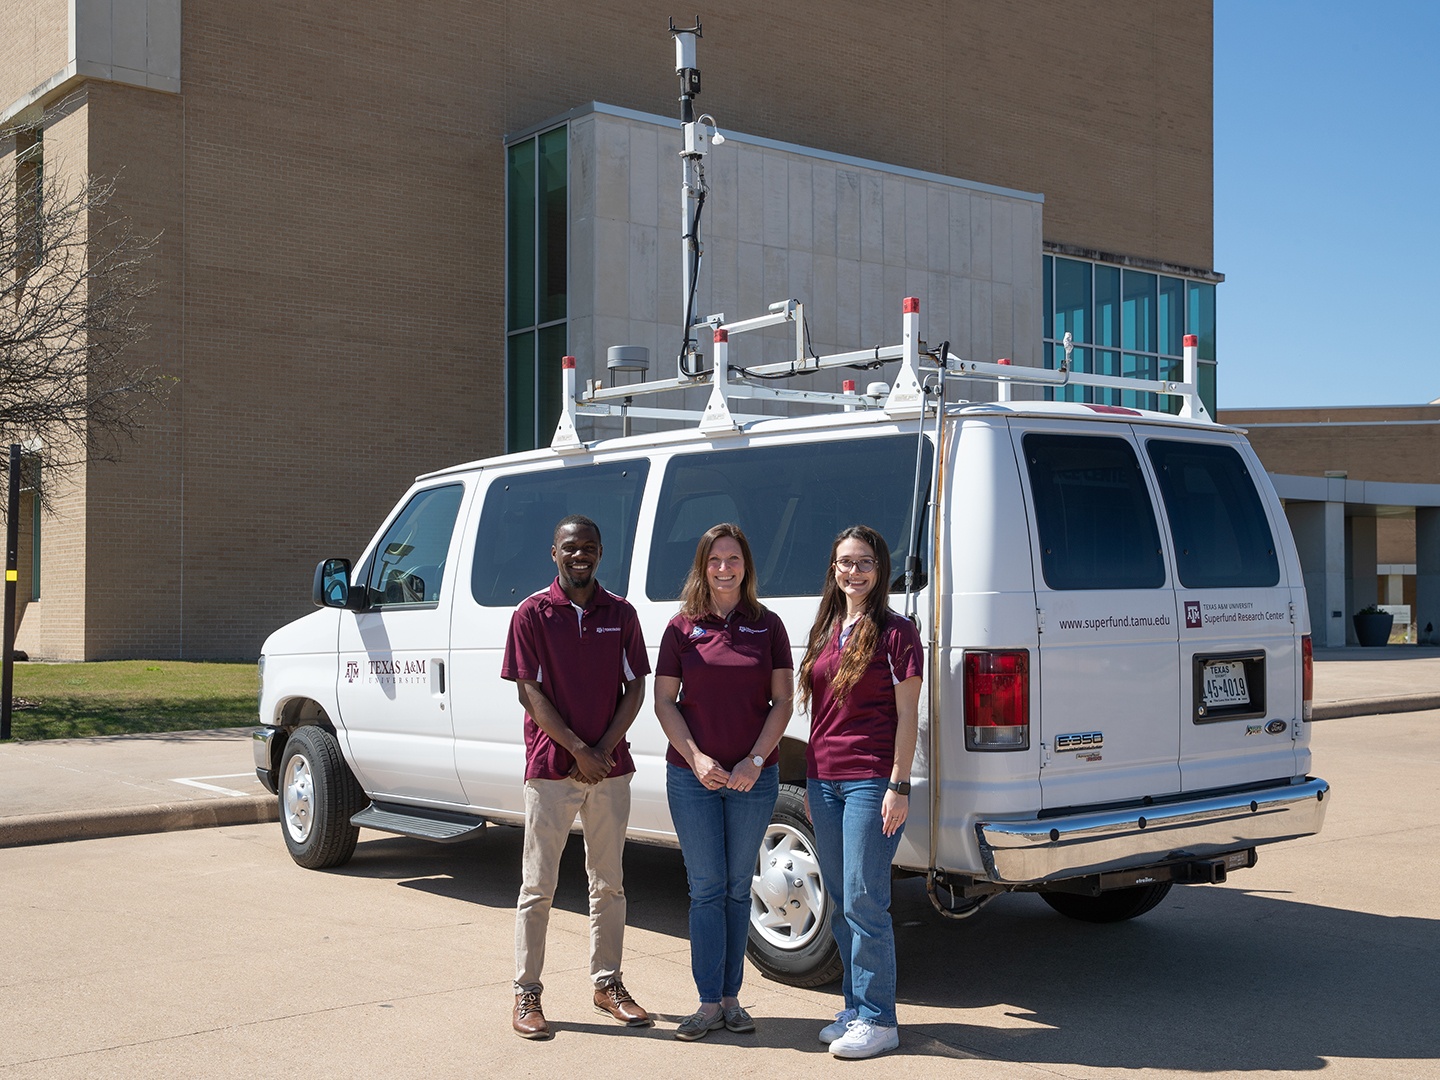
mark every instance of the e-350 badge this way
{"type": "Point", "coordinates": [1084, 740]}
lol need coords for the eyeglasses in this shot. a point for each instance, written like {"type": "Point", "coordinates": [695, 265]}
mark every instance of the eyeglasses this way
{"type": "Point", "coordinates": [850, 566]}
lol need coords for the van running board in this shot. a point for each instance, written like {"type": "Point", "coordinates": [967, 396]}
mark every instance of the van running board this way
{"type": "Point", "coordinates": [438, 825]}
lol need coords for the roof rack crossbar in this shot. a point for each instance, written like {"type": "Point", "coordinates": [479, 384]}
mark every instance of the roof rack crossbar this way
{"type": "Point", "coordinates": [903, 398]}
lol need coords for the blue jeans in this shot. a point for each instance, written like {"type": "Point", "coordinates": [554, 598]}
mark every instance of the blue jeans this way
{"type": "Point", "coordinates": [855, 865]}
{"type": "Point", "coordinates": [720, 834]}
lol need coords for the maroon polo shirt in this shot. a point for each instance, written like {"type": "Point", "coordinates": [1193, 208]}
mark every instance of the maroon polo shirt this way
{"type": "Point", "coordinates": [855, 739]}
{"type": "Point", "coordinates": [581, 658]}
{"type": "Point", "coordinates": [724, 667]}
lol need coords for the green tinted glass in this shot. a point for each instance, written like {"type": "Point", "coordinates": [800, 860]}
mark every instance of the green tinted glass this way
{"type": "Point", "coordinates": [552, 218]}
{"type": "Point", "coordinates": [520, 236]}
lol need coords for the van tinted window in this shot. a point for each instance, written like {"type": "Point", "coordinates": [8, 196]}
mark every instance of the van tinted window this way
{"type": "Point", "coordinates": [409, 562]}
{"type": "Point", "coordinates": [1222, 538]}
{"type": "Point", "coordinates": [1094, 518]}
{"type": "Point", "coordinates": [791, 500]}
{"type": "Point", "coordinates": [517, 526]}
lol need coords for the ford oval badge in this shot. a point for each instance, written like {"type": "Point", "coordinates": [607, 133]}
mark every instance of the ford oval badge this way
{"type": "Point", "coordinates": [1276, 727]}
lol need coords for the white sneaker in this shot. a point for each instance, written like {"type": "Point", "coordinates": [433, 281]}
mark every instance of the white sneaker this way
{"type": "Point", "coordinates": [863, 1039]}
{"type": "Point", "coordinates": [830, 1032]}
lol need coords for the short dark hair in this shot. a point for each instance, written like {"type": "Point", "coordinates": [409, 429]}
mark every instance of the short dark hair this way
{"type": "Point", "coordinates": [579, 521]}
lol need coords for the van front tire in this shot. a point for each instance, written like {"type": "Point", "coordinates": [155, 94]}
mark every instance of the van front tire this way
{"type": "Point", "coordinates": [318, 796]}
{"type": "Point", "coordinates": [790, 911]}
{"type": "Point", "coordinates": [1109, 907]}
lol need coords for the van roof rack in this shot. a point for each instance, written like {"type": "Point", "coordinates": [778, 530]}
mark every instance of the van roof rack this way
{"type": "Point", "coordinates": [904, 397]}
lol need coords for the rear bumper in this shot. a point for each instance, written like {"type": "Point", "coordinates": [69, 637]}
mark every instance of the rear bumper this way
{"type": "Point", "coordinates": [1047, 849]}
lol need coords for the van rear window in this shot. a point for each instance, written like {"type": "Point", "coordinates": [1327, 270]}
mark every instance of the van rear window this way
{"type": "Point", "coordinates": [1222, 538]}
{"type": "Point", "coordinates": [517, 525]}
{"type": "Point", "coordinates": [1093, 515]}
{"type": "Point", "coordinates": [791, 500]}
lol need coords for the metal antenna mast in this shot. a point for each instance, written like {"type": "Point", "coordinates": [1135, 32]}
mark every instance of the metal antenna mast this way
{"type": "Point", "coordinates": [692, 184]}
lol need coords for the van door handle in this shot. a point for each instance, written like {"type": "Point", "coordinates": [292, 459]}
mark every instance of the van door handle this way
{"type": "Point", "coordinates": [439, 675]}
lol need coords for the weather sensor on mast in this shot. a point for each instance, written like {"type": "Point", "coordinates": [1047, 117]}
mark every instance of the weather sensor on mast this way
{"type": "Point", "coordinates": [692, 185]}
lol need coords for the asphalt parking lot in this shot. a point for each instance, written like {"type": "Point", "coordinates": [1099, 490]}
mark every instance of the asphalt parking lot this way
{"type": "Point", "coordinates": [209, 953]}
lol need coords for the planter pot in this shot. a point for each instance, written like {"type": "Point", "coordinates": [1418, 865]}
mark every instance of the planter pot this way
{"type": "Point", "coordinates": [1373, 631]}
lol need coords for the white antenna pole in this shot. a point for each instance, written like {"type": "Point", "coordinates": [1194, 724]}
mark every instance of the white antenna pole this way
{"type": "Point", "coordinates": [692, 175]}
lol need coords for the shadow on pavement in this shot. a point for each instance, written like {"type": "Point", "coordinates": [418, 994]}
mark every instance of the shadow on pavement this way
{"type": "Point", "coordinates": [1216, 979]}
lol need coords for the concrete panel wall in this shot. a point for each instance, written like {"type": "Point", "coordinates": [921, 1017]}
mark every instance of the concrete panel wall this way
{"type": "Point", "coordinates": [847, 241]}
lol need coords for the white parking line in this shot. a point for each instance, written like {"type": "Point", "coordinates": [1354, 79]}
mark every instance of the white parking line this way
{"type": "Point", "coordinates": [195, 782]}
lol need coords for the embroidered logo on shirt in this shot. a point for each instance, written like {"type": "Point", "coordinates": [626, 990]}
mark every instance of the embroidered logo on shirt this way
{"type": "Point", "coordinates": [697, 632]}
{"type": "Point", "coordinates": [754, 629]}
{"type": "Point", "coordinates": [607, 629]}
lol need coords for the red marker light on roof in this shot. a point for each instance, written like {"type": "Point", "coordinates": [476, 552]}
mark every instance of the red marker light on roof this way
{"type": "Point", "coordinates": [721, 334]}
{"type": "Point", "coordinates": [567, 363]}
{"type": "Point", "coordinates": [912, 305]}
{"type": "Point", "coordinates": [1191, 340]}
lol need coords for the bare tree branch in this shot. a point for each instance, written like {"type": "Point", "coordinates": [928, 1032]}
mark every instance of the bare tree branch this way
{"type": "Point", "coordinates": [73, 273]}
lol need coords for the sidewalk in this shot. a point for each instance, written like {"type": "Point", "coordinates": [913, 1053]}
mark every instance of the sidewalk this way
{"type": "Point", "coordinates": [74, 789]}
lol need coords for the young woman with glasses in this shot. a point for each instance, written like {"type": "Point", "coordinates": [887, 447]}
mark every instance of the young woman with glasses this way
{"type": "Point", "coordinates": [861, 677]}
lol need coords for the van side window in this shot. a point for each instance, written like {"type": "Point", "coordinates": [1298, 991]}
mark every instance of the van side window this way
{"type": "Point", "coordinates": [409, 563]}
{"type": "Point", "coordinates": [517, 526]}
{"type": "Point", "coordinates": [1222, 538]}
{"type": "Point", "coordinates": [1094, 518]}
{"type": "Point", "coordinates": [791, 500]}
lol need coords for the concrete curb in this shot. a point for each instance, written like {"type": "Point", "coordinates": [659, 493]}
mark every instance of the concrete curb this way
{"type": "Point", "coordinates": [1340, 710]}
{"type": "Point", "coordinates": [130, 820]}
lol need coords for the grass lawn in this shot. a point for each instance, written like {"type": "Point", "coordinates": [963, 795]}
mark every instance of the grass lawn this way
{"type": "Point", "coordinates": [121, 697]}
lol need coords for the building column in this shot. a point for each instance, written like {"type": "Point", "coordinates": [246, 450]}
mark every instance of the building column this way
{"type": "Point", "coordinates": [1427, 574]}
{"type": "Point", "coordinates": [1361, 570]}
{"type": "Point", "coordinates": [1319, 531]}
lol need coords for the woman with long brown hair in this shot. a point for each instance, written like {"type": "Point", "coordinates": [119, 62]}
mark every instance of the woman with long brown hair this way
{"type": "Point", "coordinates": [861, 678]}
{"type": "Point", "coordinates": [723, 689]}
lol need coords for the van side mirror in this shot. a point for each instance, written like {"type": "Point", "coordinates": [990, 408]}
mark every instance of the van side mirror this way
{"type": "Point", "coordinates": [331, 587]}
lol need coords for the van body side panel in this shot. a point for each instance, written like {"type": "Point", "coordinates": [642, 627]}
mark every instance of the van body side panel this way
{"type": "Point", "coordinates": [504, 558]}
{"type": "Point", "coordinates": [986, 600]}
{"type": "Point", "coordinates": [394, 688]}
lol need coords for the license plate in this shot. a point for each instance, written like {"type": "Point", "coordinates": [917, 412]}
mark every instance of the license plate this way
{"type": "Point", "coordinates": [1223, 683]}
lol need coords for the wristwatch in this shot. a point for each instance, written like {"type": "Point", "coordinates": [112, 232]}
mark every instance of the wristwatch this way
{"type": "Point", "coordinates": [758, 761]}
{"type": "Point", "coordinates": [900, 787]}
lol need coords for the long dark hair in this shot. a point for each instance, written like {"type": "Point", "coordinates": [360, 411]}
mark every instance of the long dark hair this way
{"type": "Point", "coordinates": [695, 599]}
{"type": "Point", "coordinates": [864, 639]}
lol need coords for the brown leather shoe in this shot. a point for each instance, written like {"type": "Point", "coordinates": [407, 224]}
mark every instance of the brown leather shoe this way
{"type": "Point", "coordinates": [617, 1002]}
{"type": "Point", "coordinates": [529, 1021]}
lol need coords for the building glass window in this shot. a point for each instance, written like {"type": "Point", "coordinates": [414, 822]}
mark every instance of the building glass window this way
{"type": "Point", "coordinates": [1126, 322]}
{"type": "Point", "coordinates": [537, 242]}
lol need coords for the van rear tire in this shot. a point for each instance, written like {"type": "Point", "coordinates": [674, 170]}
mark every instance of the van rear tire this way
{"type": "Point", "coordinates": [790, 911]}
{"type": "Point", "coordinates": [1116, 905]}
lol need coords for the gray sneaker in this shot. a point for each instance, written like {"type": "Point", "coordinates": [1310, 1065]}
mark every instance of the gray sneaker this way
{"type": "Point", "coordinates": [737, 1019]}
{"type": "Point", "coordinates": [697, 1025]}
{"type": "Point", "coordinates": [830, 1032]}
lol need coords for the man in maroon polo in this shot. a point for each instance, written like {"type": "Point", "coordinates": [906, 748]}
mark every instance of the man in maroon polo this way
{"type": "Point", "coordinates": [578, 661]}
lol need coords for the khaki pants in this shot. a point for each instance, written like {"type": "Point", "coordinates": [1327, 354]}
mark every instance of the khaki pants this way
{"type": "Point", "coordinates": [551, 807]}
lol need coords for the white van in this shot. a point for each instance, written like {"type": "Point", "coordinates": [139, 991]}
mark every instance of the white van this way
{"type": "Point", "coordinates": [1118, 667]}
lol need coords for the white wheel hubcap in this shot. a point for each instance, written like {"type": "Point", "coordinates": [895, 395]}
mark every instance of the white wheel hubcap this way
{"type": "Point", "coordinates": [787, 898]}
{"type": "Point", "coordinates": [299, 797]}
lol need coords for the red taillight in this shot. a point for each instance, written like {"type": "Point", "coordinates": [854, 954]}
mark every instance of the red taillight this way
{"type": "Point", "coordinates": [1307, 678]}
{"type": "Point", "coordinates": [997, 700]}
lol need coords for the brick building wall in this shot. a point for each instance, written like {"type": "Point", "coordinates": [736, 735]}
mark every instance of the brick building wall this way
{"type": "Point", "coordinates": [1397, 444]}
{"type": "Point", "coordinates": [328, 185]}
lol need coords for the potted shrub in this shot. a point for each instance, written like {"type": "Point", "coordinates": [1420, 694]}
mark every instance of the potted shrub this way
{"type": "Point", "coordinates": [1372, 626]}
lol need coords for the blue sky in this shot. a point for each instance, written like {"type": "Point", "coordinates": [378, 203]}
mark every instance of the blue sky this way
{"type": "Point", "coordinates": [1327, 202]}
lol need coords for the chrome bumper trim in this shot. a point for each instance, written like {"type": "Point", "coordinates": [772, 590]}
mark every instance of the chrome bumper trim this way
{"type": "Point", "coordinates": [260, 744]}
{"type": "Point", "coordinates": [1035, 850]}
